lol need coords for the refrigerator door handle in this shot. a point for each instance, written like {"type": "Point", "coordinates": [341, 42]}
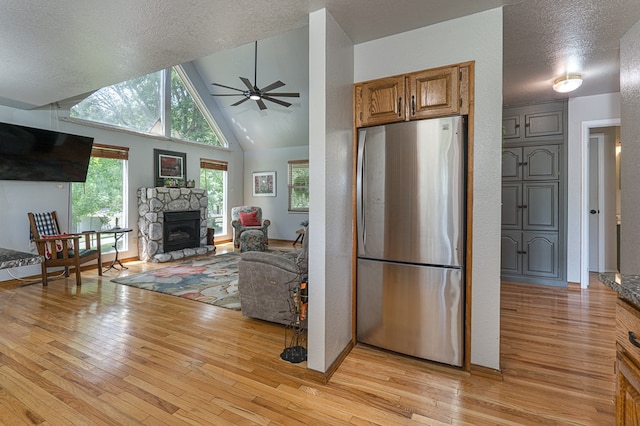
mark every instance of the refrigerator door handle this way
{"type": "Point", "coordinates": [360, 223]}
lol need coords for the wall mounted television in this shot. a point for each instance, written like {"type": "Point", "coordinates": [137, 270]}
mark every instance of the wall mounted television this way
{"type": "Point", "coordinates": [32, 154]}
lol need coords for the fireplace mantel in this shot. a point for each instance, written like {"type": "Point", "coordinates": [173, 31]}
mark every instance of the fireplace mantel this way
{"type": "Point", "coordinates": [152, 203]}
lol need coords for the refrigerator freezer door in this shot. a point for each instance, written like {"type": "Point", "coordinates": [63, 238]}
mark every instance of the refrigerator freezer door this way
{"type": "Point", "coordinates": [414, 310]}
{"type": "Point", "coordinates": [411, 192]}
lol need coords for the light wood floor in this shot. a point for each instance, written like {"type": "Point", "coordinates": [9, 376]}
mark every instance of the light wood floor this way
{"type": "Point", "coordinates": [111, 354]}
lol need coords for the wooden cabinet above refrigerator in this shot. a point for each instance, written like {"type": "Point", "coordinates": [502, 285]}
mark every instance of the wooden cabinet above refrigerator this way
{"type": "Point", "coordinates": [436, 92]}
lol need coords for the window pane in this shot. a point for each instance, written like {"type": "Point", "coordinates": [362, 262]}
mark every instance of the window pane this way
{"type": "Point", "coordinates": [214, 182]}
{"type": "Point", "coordinates": [98, 202]}
{"type": "Point", "coordinates": [134, 105]}
{"type": "Point", "coordinates": [299, 186]}
{"type": "Point", "coordinates": [187, 121]}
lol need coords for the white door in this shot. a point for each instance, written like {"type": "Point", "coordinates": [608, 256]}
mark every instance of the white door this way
{"type": "Point", "coordinates": [596, 212]}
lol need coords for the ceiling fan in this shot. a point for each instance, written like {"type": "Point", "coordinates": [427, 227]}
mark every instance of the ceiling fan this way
{"type": "Point", "coordinates": [254, 93]}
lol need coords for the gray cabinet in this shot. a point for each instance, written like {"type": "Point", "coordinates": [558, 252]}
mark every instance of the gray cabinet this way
{"type": "Point", "coordinates": [533, 194]}
{"type": "Point", "coordinates": [529, 254]}
{"type": "Point", "coordinates": [534, 123]}
{"type": "Point", "coordinates": [530, 163]}
{"type": "Point", "coordinates": [529, 206]}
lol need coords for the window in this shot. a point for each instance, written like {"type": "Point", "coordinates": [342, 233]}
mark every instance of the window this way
{"type": "Point", "coordinates": [137, 105]}
{"type": "Point", "coordinates": [213, 179]}
{"type": "Point", "coordinates": [99, 202]}
{"type": "Point", "coordinates": [299, 186]}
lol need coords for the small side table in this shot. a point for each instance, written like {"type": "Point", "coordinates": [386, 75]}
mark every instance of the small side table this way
{"type": "Point", "coordinates": [117, 234]}
{"type": "Point", "coordinates": [300, 236]}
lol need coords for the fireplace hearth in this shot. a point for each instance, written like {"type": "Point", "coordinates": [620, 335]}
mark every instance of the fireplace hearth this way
{"type": "Point", "coordinates": [181, 230]}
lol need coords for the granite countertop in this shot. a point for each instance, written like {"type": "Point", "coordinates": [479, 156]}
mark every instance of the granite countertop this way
{"type": "Point", "coordinates": [11, 258]}
{"type": "Point", "coordinates": [627, 286]}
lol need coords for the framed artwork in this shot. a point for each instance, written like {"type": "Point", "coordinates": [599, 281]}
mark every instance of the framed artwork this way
{"type": "Point", "coordinates": [169, 165]}
{"type": "Point", "coordinates": [264, 184]}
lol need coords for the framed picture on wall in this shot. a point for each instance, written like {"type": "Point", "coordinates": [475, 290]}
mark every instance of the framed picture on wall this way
{"type": "Point", "coordinates": [264, 184]}
{"type": "Point", "coordinates": [169, 165]}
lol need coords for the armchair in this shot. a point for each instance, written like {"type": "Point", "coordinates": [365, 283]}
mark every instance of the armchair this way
{"type": "Point", "coordinates": [62, 250]}
{"type": "Point", "coordinates": [252, 217]}
{"type": "Point", "coordinates": [265, 281]}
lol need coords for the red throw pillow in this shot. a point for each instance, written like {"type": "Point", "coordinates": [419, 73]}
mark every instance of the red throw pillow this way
{"type": "Point", "coordinates": [249, 219]}
{"type": "Point", "coordinates": [58, 244]}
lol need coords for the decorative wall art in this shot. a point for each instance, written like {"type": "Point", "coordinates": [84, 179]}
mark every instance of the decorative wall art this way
{"type": "Point", "coordinates": [264, 184]}
{"type": "Point", "coordinates": [170, 166]}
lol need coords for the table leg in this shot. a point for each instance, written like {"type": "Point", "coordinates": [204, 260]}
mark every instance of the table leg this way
{"type": "Point", "coordinates": [115, 260]}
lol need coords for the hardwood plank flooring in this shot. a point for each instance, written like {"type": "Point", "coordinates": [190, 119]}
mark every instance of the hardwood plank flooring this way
{"type": "Point", "coordinates": [107, 354]}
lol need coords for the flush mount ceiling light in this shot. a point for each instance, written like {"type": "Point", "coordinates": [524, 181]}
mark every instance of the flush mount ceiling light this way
{"type": "Point", "coordinates": [567, 83]}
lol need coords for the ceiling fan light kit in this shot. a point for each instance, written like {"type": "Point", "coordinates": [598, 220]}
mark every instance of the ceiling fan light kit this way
{"type": "Point", "coordinates": [254, 93]}
{"type": "Point", "coordinates": [567, 83]}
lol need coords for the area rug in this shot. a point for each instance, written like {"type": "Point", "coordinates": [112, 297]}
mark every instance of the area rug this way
{"type": "Point", "coordinates": [213, 280]}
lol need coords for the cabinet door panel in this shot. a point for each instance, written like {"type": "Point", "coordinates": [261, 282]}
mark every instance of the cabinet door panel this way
{"type": "Point", "coordinates": [540, 162]}
{"type": "Point", "coordinates": [382, 101]}
{"type": "Point", "coordinates": [434, 93]}
{"type": "Point", "coordinates": [511, 127]}
{"type": "Point", "coordinates": [544, 124]}
{"type": "Point", "coordinates": [511, 164]}
{"type": "Point", "coordinates": [510, 256]}
{"type": "Point", "coordinates": [540, 206]}
{"type": "Point", "coordinates": [512, 206]}
{"type": "Point", "coordinates": [540, 257]}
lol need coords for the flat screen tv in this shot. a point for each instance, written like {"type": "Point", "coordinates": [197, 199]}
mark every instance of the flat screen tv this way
{"type": "Point", "coordinates": [33, 154]}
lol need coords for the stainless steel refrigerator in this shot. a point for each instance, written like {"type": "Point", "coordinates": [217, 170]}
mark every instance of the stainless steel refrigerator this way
{"type": "Point", "coordinates": [411, 230]}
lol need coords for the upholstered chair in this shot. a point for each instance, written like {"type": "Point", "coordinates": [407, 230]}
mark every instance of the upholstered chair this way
{"type": "Point", "coordinates": [248, 217]}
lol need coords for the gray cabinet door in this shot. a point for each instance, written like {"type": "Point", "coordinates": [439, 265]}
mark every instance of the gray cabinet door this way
{"type": "Point", "coordinates": [511, 253]}
{"type": "Point", "coordinates": [543, 124]}
{"type": "Point", "coordinates": [511, 127]}
{"type": "Point", "coordinates": [511, 164]}
{"type": "Point", "coordinates": [540, 254]}
{"type": "Point", "coordinates": [540, 206]}
{"type": "Point", "coordinates": [540, 162]}
{"type": "Point", "coordinates": [511, 206]}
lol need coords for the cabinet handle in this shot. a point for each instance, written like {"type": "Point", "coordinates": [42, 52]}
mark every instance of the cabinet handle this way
{"type": "Point", "coordinates": [523, 163]}
{"type": "Point", "coordinates": [522, 252]}
{"type": "Point", "coordinates": [413, 105]}
{"type": "Point", "coordinates": [400, 106]}
{"type": "Point", "coordinates": [632, 339]}
{"type": "Point", "coordinates": [524, 206]}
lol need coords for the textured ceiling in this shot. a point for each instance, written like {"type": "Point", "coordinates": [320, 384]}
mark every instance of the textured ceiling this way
{"type": "Point", "coordinates": [52, 52]}
{"type": "Point", "coordinates": [545, 39]}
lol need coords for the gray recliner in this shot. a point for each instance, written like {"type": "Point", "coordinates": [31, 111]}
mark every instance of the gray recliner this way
{"type": "Point", "coordinates": [266, 280]}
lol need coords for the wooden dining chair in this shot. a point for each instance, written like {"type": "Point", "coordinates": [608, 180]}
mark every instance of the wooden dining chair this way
{"type": "Point", "coordinates": [62, 249]}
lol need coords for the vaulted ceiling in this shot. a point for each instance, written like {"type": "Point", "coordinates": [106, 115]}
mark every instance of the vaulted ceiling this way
{"type": "Point", "coordinates": [51, 53]}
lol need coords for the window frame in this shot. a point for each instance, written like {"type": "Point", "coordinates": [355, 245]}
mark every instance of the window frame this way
{"type": "Point", "coordinates": [219, 165]}
{"type": "Point", "coordinates": [165, 113]}
{"type": "Point", "coordinates": [291, 165]}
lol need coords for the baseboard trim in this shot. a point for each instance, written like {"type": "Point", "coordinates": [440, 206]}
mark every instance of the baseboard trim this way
{"type": "Point", "coordinates": [324, 378]}
{"type": "Point", "coordinates": [490, 373]}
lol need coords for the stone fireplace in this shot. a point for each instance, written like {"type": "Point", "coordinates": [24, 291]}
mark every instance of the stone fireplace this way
{"type": "Point", "coordinates": [162, 241]}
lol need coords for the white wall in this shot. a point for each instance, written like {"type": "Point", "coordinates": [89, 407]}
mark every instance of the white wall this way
{"type": "Point", "coordinates": [597, 108]}
{"type": "Point", "coordinates": [283, 223]}
{"type": "Point", "coordinates": [630, 137]}
{"type": "Point", "coordinates": [19, 198]}
{"type": "Point", "coordinates": [477, 37]}
{"type": "Point", "coordinates": [330, 169]}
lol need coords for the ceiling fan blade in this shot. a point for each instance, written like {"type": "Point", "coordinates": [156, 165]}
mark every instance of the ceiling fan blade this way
{"type": "Point", "coordinates": [227, 94]}
{"type": "Point", "coordinates": [261, 104]}
{"type": "Point", "coordinates": [227, 87]}
{"type": "Point", "coordinates": [247, 83]}
{"type": "Point", "coordinates": [277, 101]}
{"type": "Point", "coordinates": [272, 86]}
{"type": "Point", "coordinates": [240, 101]}
{"type": "Point", "coordinates": [288, 95]}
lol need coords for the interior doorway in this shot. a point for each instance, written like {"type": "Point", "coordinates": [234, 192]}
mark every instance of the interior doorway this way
{"type": "Point", "coordinates": [600, 198]}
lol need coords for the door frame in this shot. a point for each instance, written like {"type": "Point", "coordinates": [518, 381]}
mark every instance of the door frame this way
{"type": "Point", "coordinates": [597, 140]}
{"type": "Point", "coordinates": [584, 195]}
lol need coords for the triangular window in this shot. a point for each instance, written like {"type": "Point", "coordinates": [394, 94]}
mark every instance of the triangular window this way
{"type": "Point", "coordinates": [136, 105]}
